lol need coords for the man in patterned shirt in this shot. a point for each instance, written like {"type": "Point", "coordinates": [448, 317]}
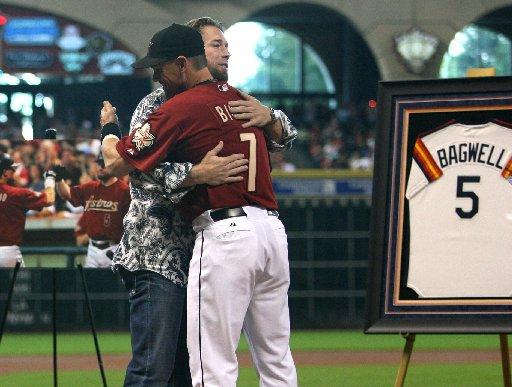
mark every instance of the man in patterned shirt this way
{"type": "Point", "coordinates": [157, 244]}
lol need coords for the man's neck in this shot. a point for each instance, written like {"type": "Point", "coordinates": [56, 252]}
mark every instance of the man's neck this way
{"type": "Point", "coordinates": [200, 76]}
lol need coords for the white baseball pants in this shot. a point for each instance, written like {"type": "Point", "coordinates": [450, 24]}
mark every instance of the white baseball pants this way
{"type": "Point", "coordinates": [9, 255]}
{"type": "Point", "coordinates": [98, 257]}
{"type": "Point", "coordinates": [238, 280]}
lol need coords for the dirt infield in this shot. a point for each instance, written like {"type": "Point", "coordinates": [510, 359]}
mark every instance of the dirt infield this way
{"type": "Point", "coordinates": [16, 364]}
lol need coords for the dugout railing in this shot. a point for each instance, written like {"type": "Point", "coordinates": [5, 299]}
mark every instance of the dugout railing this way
{"type": "Point", "coordinates": [328, 248]}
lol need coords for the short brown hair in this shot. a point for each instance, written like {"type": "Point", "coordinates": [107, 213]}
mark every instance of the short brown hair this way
{"type": "Point", "coordinates": [204, 21]}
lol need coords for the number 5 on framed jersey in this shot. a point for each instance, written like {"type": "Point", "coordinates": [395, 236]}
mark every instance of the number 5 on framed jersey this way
{"type": "Point", "coordinates": [441, 257]}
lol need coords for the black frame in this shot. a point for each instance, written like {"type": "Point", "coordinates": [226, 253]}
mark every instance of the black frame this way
{"type": "Point", "coordinates": [389, 308]}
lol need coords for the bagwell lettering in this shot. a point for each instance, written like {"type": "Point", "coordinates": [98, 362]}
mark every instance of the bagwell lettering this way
{"type": "Point", "coordinates": [441, 155]}
{"type": "Point", "coordinates": [481, 154]}
{"type": "Point", "coordinates": [498, 165]}
{"type": "Point", "coordinates": [471, 152]}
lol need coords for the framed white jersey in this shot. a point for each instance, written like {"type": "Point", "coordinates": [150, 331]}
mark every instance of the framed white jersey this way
{"type": "Point", "coordinates": [459, 190]}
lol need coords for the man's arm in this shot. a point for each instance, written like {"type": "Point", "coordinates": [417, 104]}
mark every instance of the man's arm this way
{"type": "Point", "coordinates": [63, 190]}
{"type": "Point", "coordinates": [288, 136]}
{"type": "Point", "coordinates": [278, 129]}
{"type": "Point", "coordinates": [178, 178]}
{"type": "Point", "coordinates": [256, 114]}
{"type": "Point", "coordinates": [50, 196]}
{"type": "Point", "coordinates": [212, 169]}
{"type": "Point", "coordinates": [49, 188]}
{"type": "Point", "coordinates": [110, 135]}
{"type": "Point", "coordinates": [59, 174]}
{"type": "Point", "coordinates": [114, 163]}
{"type": "Point", "coordinates": [216, 170]}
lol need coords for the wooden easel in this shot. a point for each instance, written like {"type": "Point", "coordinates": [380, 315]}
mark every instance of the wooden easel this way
{"type": "Point", "coordinates": [409, 343]}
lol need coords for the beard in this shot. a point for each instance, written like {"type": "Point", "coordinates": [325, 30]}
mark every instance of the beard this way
{"type": "Point", "coordinates": [218, 75]}
{"type": "Point", "coordinates": [103, 177]}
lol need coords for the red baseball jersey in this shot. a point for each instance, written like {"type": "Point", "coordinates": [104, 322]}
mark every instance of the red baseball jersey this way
{"type": "Point", "coordinates": [14, 203]}
{"type": "Point", "coordinates": [189, 125]}
{"type": "Point", "coordinates": [104, 208]}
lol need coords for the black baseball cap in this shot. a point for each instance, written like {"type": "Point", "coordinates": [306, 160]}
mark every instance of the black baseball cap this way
{"type": "Point", "coordinates": [170, 43]}
{"type": "Point", "coordinates": [6, 163]}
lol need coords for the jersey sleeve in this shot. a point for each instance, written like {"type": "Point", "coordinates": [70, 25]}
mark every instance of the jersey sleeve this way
{"type": "Point", "coordinates": [146, 106]}
{"type": "Point", "coordinates": [150, 142]}
{"type": "Point", "coordinates": [424, 169]}
{"type": "Point", "coordinates": [506, 173]}
{"type": "Point", "coordinates": [171, 176]}
{"type": "Point", "coordinates": [126, 200]}
{"type": "Point", "coordinates": [77, 195]}
{"type": "Point", "coordinates": [289, 134]}
{"type": "Point", "coordinates": [31, 200]}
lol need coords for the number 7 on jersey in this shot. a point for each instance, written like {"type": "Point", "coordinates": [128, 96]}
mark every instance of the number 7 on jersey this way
{"type": "Point", "coordinates": [251, 137]}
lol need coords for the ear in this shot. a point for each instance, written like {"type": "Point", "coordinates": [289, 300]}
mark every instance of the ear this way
{"type": "Point", "coordinates": [181, 61]}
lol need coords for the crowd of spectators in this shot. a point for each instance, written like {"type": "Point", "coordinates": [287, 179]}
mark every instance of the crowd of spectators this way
{"type": "Point", "coordinates": [33, 158]}
{"type": "Point", "coordinates": [329, 138]}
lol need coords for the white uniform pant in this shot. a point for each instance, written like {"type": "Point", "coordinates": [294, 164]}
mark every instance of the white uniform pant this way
{"type": "Point", "coordinates": [98, 257]}
{"type": "Point", "coordinates": [239, 278]}
{"type": "Point", "coordinates": [9, 255]}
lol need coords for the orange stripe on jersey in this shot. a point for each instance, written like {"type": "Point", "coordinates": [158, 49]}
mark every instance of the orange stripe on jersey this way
{"type": "Point", "coordinates": [507, 171]}
{"type": "Point", "coordinates": [426, 162]}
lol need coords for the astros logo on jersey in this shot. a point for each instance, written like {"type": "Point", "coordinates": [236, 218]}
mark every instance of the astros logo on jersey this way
{"type": "Point", "coordinates": [100, 205]}
{"type": "Point", "coordinates": [142, 137]}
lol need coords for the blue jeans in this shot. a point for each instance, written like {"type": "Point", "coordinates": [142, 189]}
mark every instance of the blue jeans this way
{"type": "Point", "coordinates": [158, 331]}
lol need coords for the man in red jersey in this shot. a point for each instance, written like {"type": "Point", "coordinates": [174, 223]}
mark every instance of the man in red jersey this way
{"type": "Point", "coordinates": [239, 274]}
{"type": "Point", "coordinates": [105, 203]}
{"type": "Point", "coordinates": [14, 203]}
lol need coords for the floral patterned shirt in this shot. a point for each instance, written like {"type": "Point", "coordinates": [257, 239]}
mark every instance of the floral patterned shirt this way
{"type": "Point", "coordinates": [155, 237]}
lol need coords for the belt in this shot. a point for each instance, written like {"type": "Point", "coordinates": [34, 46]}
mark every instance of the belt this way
{"type": "Point", "coordinates": [225, 213]}
{"type": "Point", "coordinates": [101, 244]}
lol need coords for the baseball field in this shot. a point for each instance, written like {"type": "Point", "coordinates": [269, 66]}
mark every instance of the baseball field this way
{"type": "Point", "coordinates": [323, 358]}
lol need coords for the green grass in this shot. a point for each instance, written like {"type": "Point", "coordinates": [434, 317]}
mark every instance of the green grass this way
{"type": "Point", "coordinates": [67, 343]}
{"type": "Point", "coordinates": [49, 260]}
{"type": "Point", "coordinates": [119, 342]}
{"type": "Point", "coordinates": [461, 375]}
{"type": "Point", "coordinates": [420, 375]}
{"type": "Point", "coordinates": [358, 341]}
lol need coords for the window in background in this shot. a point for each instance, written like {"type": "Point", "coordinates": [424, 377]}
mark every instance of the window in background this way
{"type": "Point", "coordinates": [475, 47]}
{"type": "Point", "coordinates": [266, 59]}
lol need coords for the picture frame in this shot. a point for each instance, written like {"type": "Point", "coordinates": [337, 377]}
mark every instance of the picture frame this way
{"type": "Point", "coordinates": [444, 303]}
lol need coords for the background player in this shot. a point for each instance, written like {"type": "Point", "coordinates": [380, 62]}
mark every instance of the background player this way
{"type": "Point", "coordinates": [239, 274]}
{"type": "Point", "coordinates": [105, 203]}
{"type": "Point", "coordinates": [14, 204]}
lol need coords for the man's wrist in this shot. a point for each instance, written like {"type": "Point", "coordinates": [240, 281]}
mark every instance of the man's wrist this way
{"type": "Point", "coordinates": [49, 180]}
{"type": "Point", "coordinates": [110, 128]}
{"type": "Point", "coordinates": [273, 116]}
{"type": "Point", "coordinates": [195, 176]}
